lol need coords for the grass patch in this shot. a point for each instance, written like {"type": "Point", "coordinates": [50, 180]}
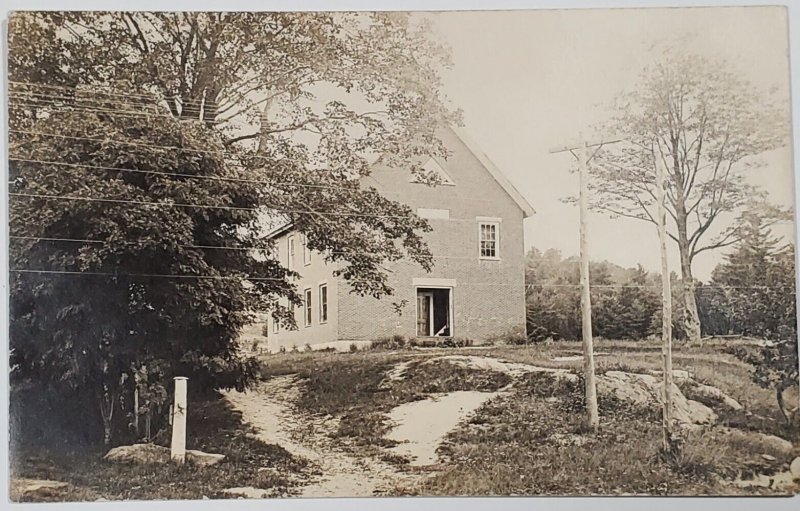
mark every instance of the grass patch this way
{"type": "Point", "coordinates": [735, 454]}
{"type": "Point", "coordinates": [523, 444]}
{"type": "Point", "coordinates": [213, 427]}
{"type": "Point", "coordinates": [353, 387]}
{"type": "Point", "coordinates": [533, 442]}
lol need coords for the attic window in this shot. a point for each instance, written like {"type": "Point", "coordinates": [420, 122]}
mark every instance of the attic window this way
{"type": "Point", "coordinates": [435, 170]}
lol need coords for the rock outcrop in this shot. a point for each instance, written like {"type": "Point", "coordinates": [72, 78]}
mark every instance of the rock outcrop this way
{"type": "Point", "coordinates": [646, 390]}
{"type": "Point", "coordinates": [21, 487]}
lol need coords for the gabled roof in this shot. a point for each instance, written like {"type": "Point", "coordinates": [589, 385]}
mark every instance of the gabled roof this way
{"type": "Point", "coordinates": [495, 172]}
{"type": "Point", "coordinates": [281, 229]}
{"type": "Point", "coordinates": [498, 176]}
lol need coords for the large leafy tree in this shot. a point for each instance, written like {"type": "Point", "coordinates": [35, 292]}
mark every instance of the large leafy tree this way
{"type": "Point", "coordinates": [147, 150]}
{"type": "Point", "coordinates": [707, 127]}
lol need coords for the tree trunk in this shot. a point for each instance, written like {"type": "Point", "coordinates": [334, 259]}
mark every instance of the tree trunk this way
{"type": "Point", "coordinates": [691, 318]}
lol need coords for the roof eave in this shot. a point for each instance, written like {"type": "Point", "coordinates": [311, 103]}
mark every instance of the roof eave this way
{"type": "Point", "coordinates": [497, 174]}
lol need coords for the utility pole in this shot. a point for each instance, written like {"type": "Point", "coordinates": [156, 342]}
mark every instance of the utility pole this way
{"type": "Point", "coordinates": [590, 390]}
{"type": "Point", "coordinates": [666, 304]}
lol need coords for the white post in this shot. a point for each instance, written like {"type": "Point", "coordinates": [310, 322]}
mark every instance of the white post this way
{"type": "Point", "coordinates": [178, 447]}
{"type": "Point", "coordinates": [592, 419]}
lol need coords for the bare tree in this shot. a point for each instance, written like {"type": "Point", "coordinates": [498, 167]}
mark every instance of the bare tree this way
{"type": "Point", "coordinates": [707, 126]}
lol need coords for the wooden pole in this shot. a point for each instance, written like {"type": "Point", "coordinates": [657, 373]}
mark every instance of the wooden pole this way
{"type": "Point", "coordinates": [592, 417]}
{"type": "Point", "coordinates": [590, 390]}
{"type": "Point", "coordinates": [666, 301]}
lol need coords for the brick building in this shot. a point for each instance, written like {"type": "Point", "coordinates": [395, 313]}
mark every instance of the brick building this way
{"type": "Point", "coordinates": [476, 288]}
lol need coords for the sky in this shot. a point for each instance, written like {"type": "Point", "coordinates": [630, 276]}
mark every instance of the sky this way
{"type": "Point", "coordinates": [530, 81]}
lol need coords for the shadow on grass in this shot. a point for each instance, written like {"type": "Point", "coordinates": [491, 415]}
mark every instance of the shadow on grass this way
{"type": "Point", "coordinates": [213, 426]}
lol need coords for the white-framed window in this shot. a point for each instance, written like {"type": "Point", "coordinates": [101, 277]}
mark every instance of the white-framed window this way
{"type": "Point", "coordinates": [275, 322]}
{"type": "Point", "coordinates": [306, 252]}
{"type": "Point", "coordinates": [323, 303]}
{"type": "Point", "coordinates": [290, 252]}
{"type": "Point", "coordinates": [488, 239]}
{"type": "Point", "coordinates": [307, 307]}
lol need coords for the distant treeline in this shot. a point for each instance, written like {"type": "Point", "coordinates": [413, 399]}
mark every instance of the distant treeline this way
{"type": "Point", "coordinates": [751, 293]}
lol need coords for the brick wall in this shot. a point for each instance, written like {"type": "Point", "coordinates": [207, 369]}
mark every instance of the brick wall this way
{"type": "Point", "coordinates": [488, 297]}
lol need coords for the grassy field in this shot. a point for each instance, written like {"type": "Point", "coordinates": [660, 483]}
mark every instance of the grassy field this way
{"type": "Point", "coordinates": [531, 441]}
{"type": "Point", "coordinates": [527, 440]}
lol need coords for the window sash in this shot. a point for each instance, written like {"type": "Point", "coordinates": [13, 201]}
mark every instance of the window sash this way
{"type": "Point", "coordinates": [323, 303]}
{"type": "Point", "coordinates": [307, 306]}
{"type": "Point", "coordinates": [306, 252]}
{"type": "Point", "coordinates": [290, 251]}
{"type": "Point", "coordinates": [488, 236]}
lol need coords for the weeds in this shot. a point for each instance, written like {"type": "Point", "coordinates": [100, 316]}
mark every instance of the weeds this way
{"type": "Point", "coordinates": [214, 427]}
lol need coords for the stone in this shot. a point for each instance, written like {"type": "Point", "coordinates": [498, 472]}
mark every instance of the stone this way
{"type": "Point", "coordinates": [779, 444]}
{"type": "Point", "coordinates": [646, 390]}
{"type": "Point", "coordinates": [152, 453]}
{"type": "Point", "coordinates": [21, 487]}
{"type": "Point", "coordinates": [138, 453]}
{"type": "Point", "coordinates": [794, 468]}
{"type": "Point", "coordinates": [717, 394]}
{"type": "Point", "coordinates": [769, 457]}
{"type": "Point", "coordinates": [247, 492]}
{"type": "Point", "coordinates": [203, 459]}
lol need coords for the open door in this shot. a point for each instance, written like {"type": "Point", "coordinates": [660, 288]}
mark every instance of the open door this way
{"type": "Point", "coordinates": [434, 312]}
{"type": "Point", "coordinates": [424, 313]}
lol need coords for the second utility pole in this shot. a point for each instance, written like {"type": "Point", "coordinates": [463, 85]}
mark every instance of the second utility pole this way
{"type": "Point", "coordinates": [590, 390]}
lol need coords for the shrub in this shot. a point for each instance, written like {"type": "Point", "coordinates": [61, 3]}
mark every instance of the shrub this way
{"type": "Point", "coordinates": [455, 342]}
{"type": "Point", "coordinates": [389, 343]}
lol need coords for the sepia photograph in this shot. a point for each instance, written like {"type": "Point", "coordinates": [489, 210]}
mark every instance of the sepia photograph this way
{"type": "Point", "coordinates": [324, 254]}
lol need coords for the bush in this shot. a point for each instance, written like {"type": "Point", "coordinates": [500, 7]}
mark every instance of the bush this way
{"type": "Point", "coordinates": [514, 336]}
{"type": "Point", "coordinates": [389, 343]}
{"type": "Point", "coordinates": [455, 342]}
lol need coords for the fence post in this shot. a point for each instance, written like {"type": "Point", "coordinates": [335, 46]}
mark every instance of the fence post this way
{"type": "Point", "coordinates": [178, 447]}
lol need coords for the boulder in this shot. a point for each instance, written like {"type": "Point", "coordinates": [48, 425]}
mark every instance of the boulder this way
{"type": "Point", "coordinates": [646, 390]}
{"type": "Point", "coordinates": [22, 487]}
{"type": "Point", "coordinates": [794, 468]}
{"type": "Point", "coordinates": [203, 459]}
{"type": "Point", "coordinates": [138, 453]}
{"type": "Point", "coordinates": [779, 444]}
{"type": "Point", "coordinates": [152, 453]}
{"type": "Point", "coordinates": [714, 393]}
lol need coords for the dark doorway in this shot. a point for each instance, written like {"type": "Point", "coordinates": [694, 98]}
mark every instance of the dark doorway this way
{"type": "Point", "coordinates": [433, 312]}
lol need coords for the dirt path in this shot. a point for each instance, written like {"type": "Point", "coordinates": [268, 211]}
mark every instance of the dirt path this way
{"type": "Point", "coordinates": [270, 409]}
